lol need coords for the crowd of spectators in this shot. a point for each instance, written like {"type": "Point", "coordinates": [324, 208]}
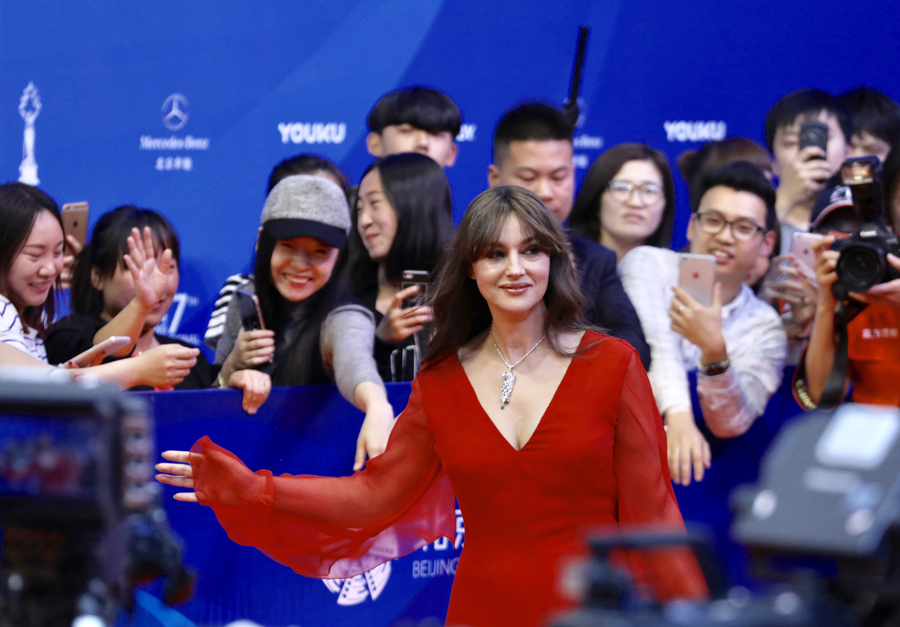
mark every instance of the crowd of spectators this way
{"type": "Point", "coordinates": [326, 303]}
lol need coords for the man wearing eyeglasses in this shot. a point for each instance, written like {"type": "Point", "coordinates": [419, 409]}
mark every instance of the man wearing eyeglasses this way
{"type": "Point", "coordinates": [737, 344]}
{"type": "Point", "coordinates": [533, 149]}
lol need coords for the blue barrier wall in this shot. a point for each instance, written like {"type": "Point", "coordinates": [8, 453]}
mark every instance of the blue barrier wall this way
{"type": "Point", "coordinates": [264, 80]}
{"type": "Point", "coordinates": [307, 430]}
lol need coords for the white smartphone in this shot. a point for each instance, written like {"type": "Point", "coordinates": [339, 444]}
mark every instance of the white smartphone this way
{"type": "Point", "coordinates": [697, 276]}
{"type": "Point", "coordinates": [802, 249]}
{"type": "Point", "coordinates": [98, 351]}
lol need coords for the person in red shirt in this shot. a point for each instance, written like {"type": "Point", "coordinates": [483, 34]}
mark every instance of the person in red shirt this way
{"type": "Point", "coordinates": [873, 336]}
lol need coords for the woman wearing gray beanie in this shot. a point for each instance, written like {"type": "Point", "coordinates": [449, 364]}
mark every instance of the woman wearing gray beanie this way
{"type": "Point", "coordinates": [294, 322]}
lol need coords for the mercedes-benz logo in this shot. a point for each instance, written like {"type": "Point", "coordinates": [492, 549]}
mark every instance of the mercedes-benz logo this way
{"type": "Point", "coordinates": [175, 112]}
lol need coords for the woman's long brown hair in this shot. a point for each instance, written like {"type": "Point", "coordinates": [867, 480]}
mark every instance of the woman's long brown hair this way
{"type": "Point", "coordinates": [460, 311]}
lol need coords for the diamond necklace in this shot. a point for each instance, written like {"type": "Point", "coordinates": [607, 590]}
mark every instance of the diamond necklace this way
{"type": "Point", "coordinates": [509, 377]}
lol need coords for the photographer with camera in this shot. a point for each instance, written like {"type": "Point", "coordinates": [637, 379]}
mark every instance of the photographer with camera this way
{"type": "Point", "coordinates": [856, 333]}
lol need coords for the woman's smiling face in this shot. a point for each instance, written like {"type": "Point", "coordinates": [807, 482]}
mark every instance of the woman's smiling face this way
{"type": "Point", "coordinates": [302, 266]}
{"type": "Point", "coordinates": [512, 274]}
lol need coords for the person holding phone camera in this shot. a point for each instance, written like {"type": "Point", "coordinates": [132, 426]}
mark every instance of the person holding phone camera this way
{"type": "Point", "coordinates": [304, 163]}
{"type": "Point", "coordinates": [809, 133]}
{"type": "Point", "coordinates": [803, 170]}
{"type": "Point", "coordinates": [403, 221]}
{"type": "Point", "coordinates": [314, 333]}
{"type": "Point", "coordinates": [31, 260]}
{"type": "Point", "coordinates": [123, 282]}
{"type": "Point", "coordinates": [736, 344]}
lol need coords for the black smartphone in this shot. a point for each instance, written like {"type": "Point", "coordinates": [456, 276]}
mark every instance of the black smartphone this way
{"type": "Point", "coordinates": [249, 309]}
{"type": "Point", "coordinates": [813, 133]}
{"type": "Point", "coordinates": [420, 278]}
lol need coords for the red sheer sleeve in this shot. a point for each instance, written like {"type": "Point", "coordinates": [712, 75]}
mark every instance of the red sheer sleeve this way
{"type": "Point", "coordinates": [646, 498]}
{"type": "Point", "coordinates": [329, 527]}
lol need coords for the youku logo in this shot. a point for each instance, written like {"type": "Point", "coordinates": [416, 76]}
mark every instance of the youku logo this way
{"type": "Point", "coordinates": [312, 132]}
{"type": "Point", "coordinates": [681, 131]}
{"type": "Point", "coordinates": [175, 112]}
{"type": "Point", "coordinates": [357, 589]}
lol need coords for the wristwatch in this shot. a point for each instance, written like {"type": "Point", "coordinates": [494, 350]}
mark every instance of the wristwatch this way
{"type": "Point", "coordinates": [714, 368]}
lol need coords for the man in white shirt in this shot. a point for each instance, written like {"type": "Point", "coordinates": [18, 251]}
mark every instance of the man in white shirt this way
{"type": "Point", "coordinates": [737, 344]}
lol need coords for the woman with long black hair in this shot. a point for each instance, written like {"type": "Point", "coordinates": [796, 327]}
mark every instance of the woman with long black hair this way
{"type": "Point", "coordinates": [314, 333]}
{"type": "Point", "coordinates": [403, 221]}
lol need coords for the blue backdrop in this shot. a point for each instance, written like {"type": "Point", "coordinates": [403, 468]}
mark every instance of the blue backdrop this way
{"type": "Point", "coordinates": [264, 80]}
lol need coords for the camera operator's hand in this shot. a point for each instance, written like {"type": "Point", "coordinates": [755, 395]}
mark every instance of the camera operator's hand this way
{"type": "Point", "coordinates": [885, 294]}
{"type": "Point", "coordinates": [686, 447]}
{"type": "Point", "coordinates": [399, 323]}
{"type": "Point", "coordinates": [826, 262]}
{"type": "Point", "coordinates": [801, 179]}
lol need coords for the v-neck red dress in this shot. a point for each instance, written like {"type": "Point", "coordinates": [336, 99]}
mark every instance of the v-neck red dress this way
{"type": "Point", "coordinates": [597, 459]}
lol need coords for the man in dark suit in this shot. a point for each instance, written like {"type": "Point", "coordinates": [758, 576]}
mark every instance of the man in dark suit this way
{"type": "Point", "coordinates": [533, 149]}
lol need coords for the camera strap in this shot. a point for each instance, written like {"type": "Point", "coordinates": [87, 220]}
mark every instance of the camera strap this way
{"type": "Point", "coordinates": [833, 392]}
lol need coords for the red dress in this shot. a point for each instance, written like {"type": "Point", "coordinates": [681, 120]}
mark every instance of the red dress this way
{"type": "Point", "coordinates": [596, 459]}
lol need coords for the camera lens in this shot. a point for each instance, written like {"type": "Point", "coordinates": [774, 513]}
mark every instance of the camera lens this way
{"type": "Point", "coordinates": [859, 268]}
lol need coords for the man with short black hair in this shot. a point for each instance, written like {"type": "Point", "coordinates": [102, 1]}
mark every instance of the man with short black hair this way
{"type": "Point", "coordinates": [802, 174]}
{"type": "Point", "coordinates": [415, 119]}
{"type": "Point", "coordinates": [533, 149]}
{"type": "Point", "coordinates": [737, 344]}
{"type": "Point", "coordinates": [876, 122]}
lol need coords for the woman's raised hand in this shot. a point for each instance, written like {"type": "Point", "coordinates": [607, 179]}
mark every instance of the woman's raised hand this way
{"type": "Point", "coordinates": [178, 474]}
{"type": "Point", "coordinates": [399, 323]}
{"type": "Point", "coordinates": [150, 278]}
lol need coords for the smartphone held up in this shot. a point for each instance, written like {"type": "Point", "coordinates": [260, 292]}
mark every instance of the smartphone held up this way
{"type": "Point", "coordinates": [697, 276]}
{"type": "Point", "coordinates": [75, 223]}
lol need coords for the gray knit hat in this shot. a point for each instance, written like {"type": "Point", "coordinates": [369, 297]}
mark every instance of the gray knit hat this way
{"type": "Point", "coordinates": [307, 206]}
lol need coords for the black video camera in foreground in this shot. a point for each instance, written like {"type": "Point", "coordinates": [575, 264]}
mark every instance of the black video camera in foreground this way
{"type": "Point", "coordinates": [863, 262]}
{"type": "Point", "coordinates": [80, 520]}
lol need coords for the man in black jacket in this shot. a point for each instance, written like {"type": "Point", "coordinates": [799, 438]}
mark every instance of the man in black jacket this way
{"type": "Point", "coordinates": [533, 149]}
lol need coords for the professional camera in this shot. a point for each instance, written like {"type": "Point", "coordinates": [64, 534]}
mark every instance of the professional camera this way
{"type": "Point", "coordinates": [79, 512]}
{"type": "Point", "coordinates": [863, 262]}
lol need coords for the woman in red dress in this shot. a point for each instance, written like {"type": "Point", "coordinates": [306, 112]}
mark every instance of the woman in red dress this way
{"type": "Point", "coordinates": [542, 429]}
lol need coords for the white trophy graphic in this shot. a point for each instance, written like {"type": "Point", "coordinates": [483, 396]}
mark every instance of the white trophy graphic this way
{"type": "Point", "coordinates": [29, 108]}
